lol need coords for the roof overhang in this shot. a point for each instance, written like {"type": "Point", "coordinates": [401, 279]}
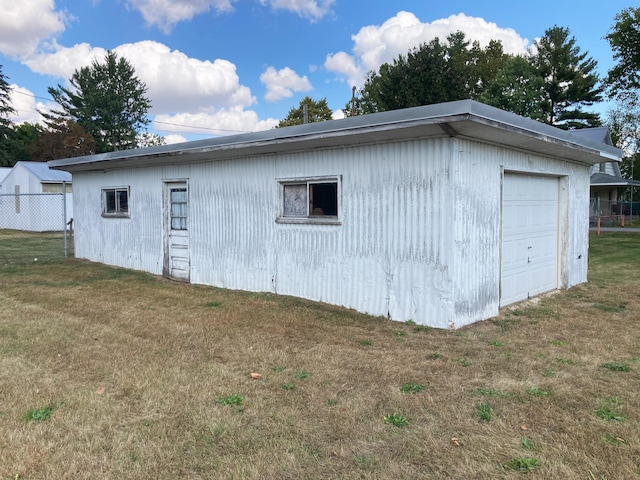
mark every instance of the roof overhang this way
{"type": "Point", "coordinates": [463, 119]}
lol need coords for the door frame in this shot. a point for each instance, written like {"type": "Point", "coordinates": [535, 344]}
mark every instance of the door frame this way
{"type": "Point", "coordinates": [167, 186]}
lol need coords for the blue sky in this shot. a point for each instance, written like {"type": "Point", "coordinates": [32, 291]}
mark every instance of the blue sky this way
{"type": "Point", "coordinates": [214, 67]}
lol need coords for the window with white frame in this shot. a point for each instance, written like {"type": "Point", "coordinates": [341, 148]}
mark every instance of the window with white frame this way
{"type": "Point", "coordinates": [115, 202]}
{"type": "Point", "coordinates": [310, 200]}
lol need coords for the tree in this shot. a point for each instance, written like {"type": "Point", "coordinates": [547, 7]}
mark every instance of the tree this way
{"type": "Point", "coordinates": [316, 112]}
{"type": "Point", "coordinates": [24, 136]}
{"type": "Point", "coordinates": [433, 72]}
{"type": "Point", "coordinates": [624, 38]}
{"type": "Point", "coordinates": [63, 139]}
{"type": "Point", "coordinates": [569, 80]}
{"type": "Point", "coordinates": [107, 101]}
{"type": "Point", "coordinates": [517, 88]}
{"type": "Point", "coordinates": [624, 124]}
{"type": "Point", "coordinates": [6, 132]}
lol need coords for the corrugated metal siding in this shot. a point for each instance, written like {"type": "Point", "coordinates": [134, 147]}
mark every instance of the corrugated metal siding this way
{"type": "Point", "coordinates": [419, 236]}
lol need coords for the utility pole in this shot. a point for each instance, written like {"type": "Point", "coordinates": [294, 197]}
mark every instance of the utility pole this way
{"type": "Point", "coordinates": [353, 101]}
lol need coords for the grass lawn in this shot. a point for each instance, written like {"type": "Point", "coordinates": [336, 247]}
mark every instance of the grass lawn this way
{"type": "Point", "coordinates": [17, 246]}
{"type": "Point", "coordinates": [108, 373]}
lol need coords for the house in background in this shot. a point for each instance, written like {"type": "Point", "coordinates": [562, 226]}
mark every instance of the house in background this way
{"type": "Point", "coordinates": [4, 171]}
{"type": "Point", "coordinates": [606, 181]}
{"type": "Point", "coordinates": [31, 198]}
{"type": "Point", "coordinates": [440, 214]}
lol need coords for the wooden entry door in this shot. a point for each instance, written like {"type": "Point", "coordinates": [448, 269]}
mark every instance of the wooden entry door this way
{"type": "Point", "coordinates": [177, 259]}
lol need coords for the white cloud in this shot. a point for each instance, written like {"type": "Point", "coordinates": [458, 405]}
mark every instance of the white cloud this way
{"type": "Point", "coordinates": [282, 83]}
{"type": "Point", "coordinates": [219, 122]}
{"type": "Point", "coordinates": [173, 138]}
{"type": "Point", "coordinates": [178, 83]}
{"type": "Point", "coordinates": [26, 106]}
{"type": "Point", "coordinates": [164, 14]}
{"type": "Point", "coordinates": [25, 24]}
{"type": "Point", "coordinates": [374, 45]}
{"type": "Point", "coordinates": [313, 10]}
{"type": "Point", "coordinates": [345, 64]}
{"type": "Point", "coordinates": [183, 90]}
{"type": "Point", "coordinates": [62, 62]}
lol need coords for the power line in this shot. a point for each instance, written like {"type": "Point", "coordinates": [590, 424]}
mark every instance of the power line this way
{"type": "Point", "coordinates": [196, 127]}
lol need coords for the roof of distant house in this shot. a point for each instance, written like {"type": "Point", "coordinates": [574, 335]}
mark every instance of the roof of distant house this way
{"type": "Point", "coordinates": [43, 173]}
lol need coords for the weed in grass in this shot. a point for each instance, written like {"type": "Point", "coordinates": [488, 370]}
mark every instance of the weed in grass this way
{"type": "Point", "coordinates": [537, 392]}
{"type": "Point", "coordinates": [332, 402]}
{"type": "Point", "coordinates": [364, 461]}
{"type": "Point", "coordinates": [496, 343]}
{"type": "Point", "coordinates": [412, 388]}
{"type": "Point", "coordinates": [421, 328]}
{"type": "Point", "coordinates": [365, 343]}
{"type": "Point", "coordinates": [465, 362]}
{"type": "Point", "coordinates": [507, 323]}
{"type": "Point", "coordinates": [213, 304]}
{"type": "Point", "coordinates": [614, 401]}
{"type": "Point", "coordinates": [558, 343]}
{"type": "Point", "coordinates": [288, 386]}
{"type": "Point", "coordinates": [400, 334]}
{"type": "Point", "coordinates": [523, 464]}
{"type": "Point", "coordinates": [605, 413]}
{"type": "Point", "coordinates": [279, 368]}
{"type": "Point", "coordinates": [301, 374]}
{"type": "Point", "coordinates": [484, 412]}
{"type": "Point", "coordinates": [489, 392]}
{"type": "Point", "coordinates": [549, 373]}
{"type": "Point", "coordinates": [610, 308]}
{"type": "Point", "coordinates": [564, 361]}
{"type": "Point", "coordinates": [38, 414]}
{"type": "Point", "coordinates": [616, 366]}
{"type": "Point", "coordinates": [434, 356]}
{"type": "Point", "coordinates": [234, 399]}
{"type": "Point", "coordinates": [396, 419]}
{"type": "Point", "coordinates": [527, 444]}
{"type": "Point", "coordinates": [410, 322]}
{"type": "Point", "coordinates": [614, 440]}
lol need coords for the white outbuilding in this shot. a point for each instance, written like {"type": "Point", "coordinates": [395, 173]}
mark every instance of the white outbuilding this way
{"type": "Point", "coordinates": [439, 214]}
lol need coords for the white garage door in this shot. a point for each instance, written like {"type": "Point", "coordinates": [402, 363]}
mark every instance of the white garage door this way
{"type": "Point", "coordinates": [529, 237]}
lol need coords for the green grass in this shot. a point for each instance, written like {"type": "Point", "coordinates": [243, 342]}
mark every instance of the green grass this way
{"type": "Point", "coordinates": [38, 414]}
{"type": "Point", "coordinates": [412, 388]}
{"type": "Point", "coordinates": [19, 247]}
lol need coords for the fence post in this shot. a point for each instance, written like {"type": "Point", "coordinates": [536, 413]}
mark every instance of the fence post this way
{"type": "Point", "coordinates": [64, 216]}
{"type": "Point", "coordinates": [598, 224]}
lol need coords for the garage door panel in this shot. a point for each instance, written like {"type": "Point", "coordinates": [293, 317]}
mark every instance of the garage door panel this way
{"type": "Point", "coordinates": [529, 237]}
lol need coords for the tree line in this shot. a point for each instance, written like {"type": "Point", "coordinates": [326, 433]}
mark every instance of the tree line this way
{"type": "Point", "coordinates": [105, 108]}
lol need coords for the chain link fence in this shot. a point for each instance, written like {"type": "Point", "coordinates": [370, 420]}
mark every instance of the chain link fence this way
{"type": "Point", "coordinates": [35, 227]}
{"type": "Point", "coordinates": [613, 213]}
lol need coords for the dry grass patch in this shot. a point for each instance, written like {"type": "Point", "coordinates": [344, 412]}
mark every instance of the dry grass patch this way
{"type": "Point", "coordinates": [139, 378]}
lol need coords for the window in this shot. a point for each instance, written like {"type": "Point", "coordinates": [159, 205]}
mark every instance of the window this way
{"type": "Point", "coordinates": [115, 202]}
{"type": "Point", "coordinates": [178, 208]}
{"type": "Point", "coordinates": [310, 201]}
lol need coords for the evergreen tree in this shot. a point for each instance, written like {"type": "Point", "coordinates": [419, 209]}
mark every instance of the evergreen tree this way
{"type": "Point", "coordinates": [570, 81]}
{"type": "Point", "coordinates": [7, 137]}
{"type": "Point", "coordinates": [316, 112]}
{"type": "Point", "coordinates": [107, 101]}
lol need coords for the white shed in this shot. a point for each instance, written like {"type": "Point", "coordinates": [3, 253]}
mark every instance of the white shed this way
{"type": "Point", "coordinates": [31, 198]}
{"type": "Point", "coordinates": [440, 214]}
